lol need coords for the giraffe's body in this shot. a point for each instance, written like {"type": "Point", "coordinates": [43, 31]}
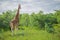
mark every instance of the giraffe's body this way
{"type": "Point", "coordinates": [15, 21]}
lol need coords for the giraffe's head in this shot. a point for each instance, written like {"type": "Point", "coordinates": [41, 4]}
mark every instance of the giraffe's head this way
{"type": "Point", "coordinates": [19, 6]}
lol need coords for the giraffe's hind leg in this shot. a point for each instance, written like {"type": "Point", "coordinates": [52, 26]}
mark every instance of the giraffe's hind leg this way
{"type": "Point", "coordinates": [12, 28]}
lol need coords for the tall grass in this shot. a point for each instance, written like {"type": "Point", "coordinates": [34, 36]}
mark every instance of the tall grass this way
{"type": "Point", "coordinates": [28, 33]}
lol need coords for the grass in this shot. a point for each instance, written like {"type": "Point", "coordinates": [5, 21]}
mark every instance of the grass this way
{"type": "Point", "coordinates": [28, 33]}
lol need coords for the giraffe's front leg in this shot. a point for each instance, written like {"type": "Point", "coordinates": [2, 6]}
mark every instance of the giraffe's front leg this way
{"type": "Point", "coordinates": [16, 27]}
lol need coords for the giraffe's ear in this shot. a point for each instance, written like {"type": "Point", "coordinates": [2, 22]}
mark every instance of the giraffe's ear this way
{"type": "Point", "coordinates": [19, 6]}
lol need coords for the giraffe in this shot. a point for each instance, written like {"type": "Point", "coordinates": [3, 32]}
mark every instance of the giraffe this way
{"type": "Point", "coordinates": [15, 21]}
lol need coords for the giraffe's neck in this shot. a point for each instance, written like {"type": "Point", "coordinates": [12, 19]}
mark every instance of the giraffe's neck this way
{"type": "Point", "coordinates": [17, 15]}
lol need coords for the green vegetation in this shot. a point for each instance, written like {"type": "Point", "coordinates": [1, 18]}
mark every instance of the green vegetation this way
{"type": "Point", "coordinates": [35, 26]}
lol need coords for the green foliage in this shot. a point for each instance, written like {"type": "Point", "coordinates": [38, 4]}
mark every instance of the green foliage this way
{"type": "Point", "coordinates": [49, 23]}
{"type": "Point", "coordinates": [5, 19]}
{"type": "Point", "coordinates": [29, 34]}
{"type": "Point", "coordinates": [39, 20]}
